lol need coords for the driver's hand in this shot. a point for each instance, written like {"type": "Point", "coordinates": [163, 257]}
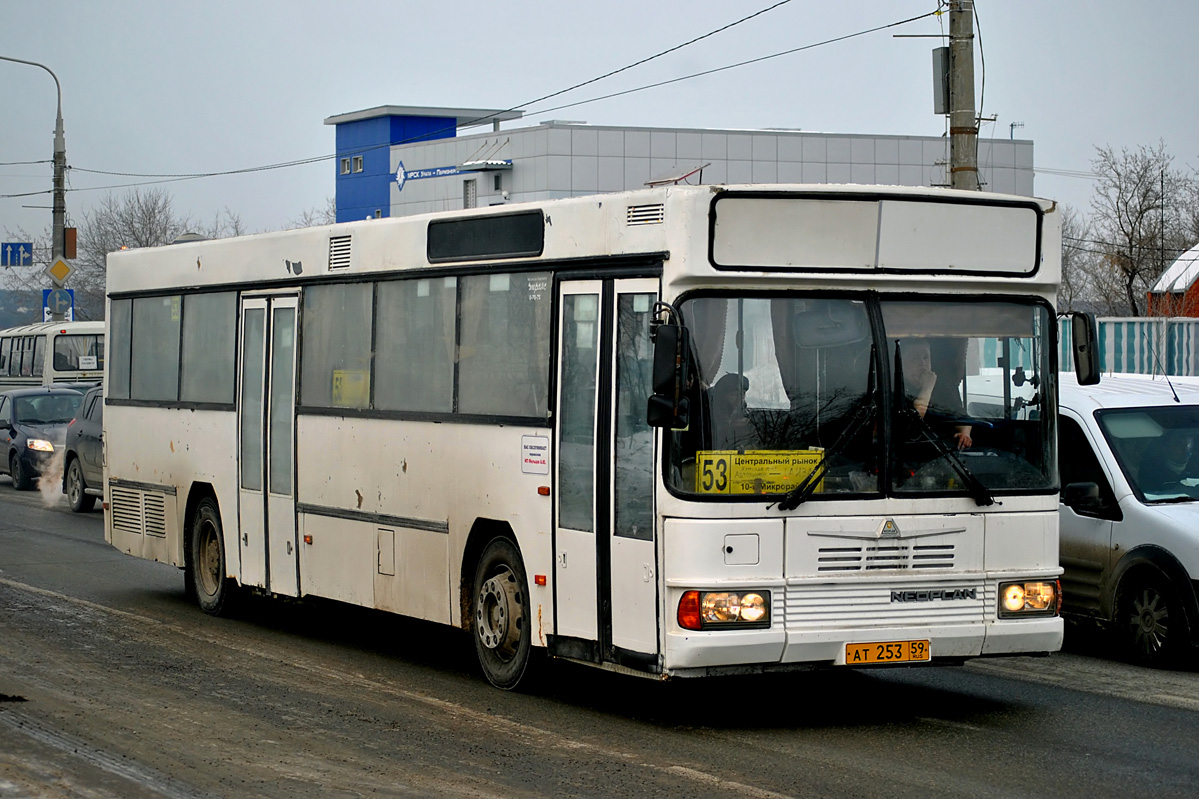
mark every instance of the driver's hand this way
{"type": "Point", "coordinates": [964, 440]}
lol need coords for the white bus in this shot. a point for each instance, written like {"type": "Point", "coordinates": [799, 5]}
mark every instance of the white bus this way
{"type": "Point", "coordinates": [51, 353]}
{"type": "Point", "coordinates": [664, 432]}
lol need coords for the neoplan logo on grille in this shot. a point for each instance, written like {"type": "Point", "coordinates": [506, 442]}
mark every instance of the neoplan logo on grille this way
{"type": "Point", "coordinates": [934, 594]}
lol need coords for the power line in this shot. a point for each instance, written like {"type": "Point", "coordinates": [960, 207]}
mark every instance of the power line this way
{"type": "Point", "coordinates": [1112, 246]}
{"type": "Point", "coordinates": [304, 161]}
{"type": "Point", "coordinates": [168, 178]}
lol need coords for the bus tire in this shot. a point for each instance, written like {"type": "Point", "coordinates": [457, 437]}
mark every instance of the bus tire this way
{"type": "Point", "coordinates": [500, 614]}
{"type": "Point", "coordinates": [215, 593]}
{"type": "Point", "coordinates": [1149, 616]}
{"type": "Point", "coordinates": [20, 480]}
{"type": "Point", "coordinates": [81, 501]}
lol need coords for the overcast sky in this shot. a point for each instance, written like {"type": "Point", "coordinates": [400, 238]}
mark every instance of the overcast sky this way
{"type": "Point", "coordinates": [181, 86]}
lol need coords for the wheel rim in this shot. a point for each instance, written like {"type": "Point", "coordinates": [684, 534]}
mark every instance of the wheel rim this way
{"type": "Point", "coordinates": [74, 484]}
{"type": "Point", "coordinates": [499, 614]}
{"type": "Point", "coordinates": [1150, 621]}
{"type": "Point", "coordinates": [208, 565]}
{"type": "Point", "coordinates": [15, 470]}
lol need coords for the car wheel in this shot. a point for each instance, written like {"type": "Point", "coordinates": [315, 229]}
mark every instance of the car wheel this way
{"type": "Point", "coordinates": [20, 478]}
{"type": "Point", "coordinates": [1150, 619]}
{"type": "Point", "coordinates": [501, 619]}
{"type": "Point", "coordinates": [207, 579]}
{"type": "Point", "coordinates": [81, 501]}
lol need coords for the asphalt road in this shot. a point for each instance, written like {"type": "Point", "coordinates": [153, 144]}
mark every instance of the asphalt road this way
{"type": "Point", "coordinates": [113, 685]}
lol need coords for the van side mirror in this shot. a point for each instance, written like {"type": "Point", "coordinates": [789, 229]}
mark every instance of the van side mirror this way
{"type": "Point", "coordinates": [1083, 498]}
{"type": "Point", "coordinates": [668, 407]}
{"type": "Point", "coordinates": [1085, 348]}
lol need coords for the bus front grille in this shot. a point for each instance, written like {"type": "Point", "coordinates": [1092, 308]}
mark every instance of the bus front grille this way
{"type": "Point", "coordinates": [877, 556]}
{"type": "Point", "coordinates": [889, 603]}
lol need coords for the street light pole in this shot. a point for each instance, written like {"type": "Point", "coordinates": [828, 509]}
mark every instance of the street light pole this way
{"type": "Point", "coordinates": [58, 244]}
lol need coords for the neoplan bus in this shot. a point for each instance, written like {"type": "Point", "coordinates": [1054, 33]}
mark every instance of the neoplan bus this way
{"type": "Point", "coordinates": [670, 432]}
{"type": "Point", "coordinates": [51, 353]}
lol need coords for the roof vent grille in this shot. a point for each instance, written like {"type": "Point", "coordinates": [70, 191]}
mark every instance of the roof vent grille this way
{"type": "Point", "coordinates": [654, 214]}
{"type": "Point", "coordinates": [339, 252]}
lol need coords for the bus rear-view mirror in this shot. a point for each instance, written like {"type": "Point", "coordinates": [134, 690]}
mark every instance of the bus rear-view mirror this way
{"type": "Point", "coordinates": [1085, 348]}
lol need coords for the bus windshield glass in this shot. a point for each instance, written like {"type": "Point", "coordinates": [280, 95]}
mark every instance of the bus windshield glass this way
{"type": "Point", "coordinates": [929, 396]}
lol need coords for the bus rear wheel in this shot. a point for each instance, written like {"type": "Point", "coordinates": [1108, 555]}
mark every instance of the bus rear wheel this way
{"type": "Point", "coordinates": [215, 593]}
{"type": "Point", "coordinates": [501, 620]}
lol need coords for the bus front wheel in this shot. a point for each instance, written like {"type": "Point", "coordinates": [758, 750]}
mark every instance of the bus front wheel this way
{"type": "Point", "coordinates": [501, 620]}
{"type": "Point", "coordinates": [206, 576]}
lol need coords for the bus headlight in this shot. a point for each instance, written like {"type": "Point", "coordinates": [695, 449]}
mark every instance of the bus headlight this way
{"type": "Point", "coordinates": [707, 610]}
{"type": "Point", "coordinates": [1032, 598]}
{"type": "Point", "coordinates": [40, 444]}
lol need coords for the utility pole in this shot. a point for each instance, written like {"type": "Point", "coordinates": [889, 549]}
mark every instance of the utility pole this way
{"type": "Point", "coordinates": [57, 246]}
{"type": "Point", "coordinates": [963, 122]}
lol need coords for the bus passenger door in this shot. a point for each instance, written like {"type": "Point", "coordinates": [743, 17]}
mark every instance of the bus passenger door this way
{"type": "Point", "coordinates": [575, 584]}
{"type": "Point", "coordinates": [633, 567]}
{"type": "Point", "coordinates": [605, 552]}
{"type": "Point", "coordinates": [266, 430]}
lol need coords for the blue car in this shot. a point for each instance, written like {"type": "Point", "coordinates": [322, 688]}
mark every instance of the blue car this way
{"type": "Point", "coordinates": [33, 429]}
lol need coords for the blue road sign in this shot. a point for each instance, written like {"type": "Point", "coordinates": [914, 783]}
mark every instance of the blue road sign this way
{"type": "Point", "coordinates": [58, 301]}
{"type": "Point", "coordinates": [16, 253]}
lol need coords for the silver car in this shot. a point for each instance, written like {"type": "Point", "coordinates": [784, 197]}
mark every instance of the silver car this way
{"type": "Point", "coordinates": [1130, 512]}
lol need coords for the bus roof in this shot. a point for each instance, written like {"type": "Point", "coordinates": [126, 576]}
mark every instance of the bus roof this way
{"type": "Point", "coordinates": [48, 327]}
{"type": "Point", "coordinates": [668, 222]}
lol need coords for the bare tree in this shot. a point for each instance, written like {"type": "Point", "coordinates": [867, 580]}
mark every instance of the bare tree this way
{"type": "Point", "coordinates": [316, 216]}
{"type": "Point", "coordinates": [1077, 290]}
{"type": "Point", "coordinates": [134, 219]}
{"type": "Point", "coordinates": [1142, 217]}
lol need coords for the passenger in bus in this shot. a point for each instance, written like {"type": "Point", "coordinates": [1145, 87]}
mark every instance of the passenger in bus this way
{"type": "Point", "coordinates": [920, 384]}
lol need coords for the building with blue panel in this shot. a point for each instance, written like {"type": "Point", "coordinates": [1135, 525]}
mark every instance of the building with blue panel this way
{"type": "Point", "coordinates": [402, 160]}
{"type": "Point", "coordinates": [365, 140]}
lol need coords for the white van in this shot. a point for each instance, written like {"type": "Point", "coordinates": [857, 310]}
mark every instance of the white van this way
{"type": "Point", "coordinates": [1130, 511]}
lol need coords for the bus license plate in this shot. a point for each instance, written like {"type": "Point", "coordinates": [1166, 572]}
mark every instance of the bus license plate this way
{"type": "Point", "coordinates": [887, 652]}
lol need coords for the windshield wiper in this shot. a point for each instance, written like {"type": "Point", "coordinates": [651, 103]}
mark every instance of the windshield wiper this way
{"type": "Point", "coordinates": [798, 495]}
{"type": "Point", "coordinates": [865, 412]}
{"type": "Point", "coordinates": [982, 496]}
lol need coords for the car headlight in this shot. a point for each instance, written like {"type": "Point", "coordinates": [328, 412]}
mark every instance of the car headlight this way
{"type": "Point", "coordinates": [1030, 598]}
{"type": "Point", "coordinates": [707, 610]}
{"type": "Point", "coordinates": [40, 444]}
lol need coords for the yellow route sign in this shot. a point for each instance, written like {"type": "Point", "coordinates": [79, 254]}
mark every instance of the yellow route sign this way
{"type": "Point", "coordinates": [754, 471]}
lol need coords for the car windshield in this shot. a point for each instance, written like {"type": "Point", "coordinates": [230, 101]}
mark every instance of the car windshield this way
{"type": "Point", "coordinates": [47, 408]}
{"type": "Point", "coordinates": [877, 396]}
{"type": "Point", "coordinates": [1154, 447]}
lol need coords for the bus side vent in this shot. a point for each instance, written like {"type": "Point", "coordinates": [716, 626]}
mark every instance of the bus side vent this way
{"type": "Point", "coordinates": [874, 557]}
{"type": "Point", "coordinates": [654, 214]}
{"type": "Point", "coordinates": [339, 252]}
{"type": "Point", "coordinates": [138, 512]}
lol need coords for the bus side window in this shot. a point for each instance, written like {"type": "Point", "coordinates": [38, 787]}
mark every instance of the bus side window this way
{"type": "Point", "coordinates": [39, 355]}
{"type": "Point", "coordinates": [26, 357]}
{"type": "Point", "coordinates": [4, 344]}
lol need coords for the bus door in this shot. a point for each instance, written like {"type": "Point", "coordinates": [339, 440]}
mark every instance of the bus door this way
{"type": "Point", "coordinates": [266, 432]}
{"type": "Point", "coordinates": [606, 584]}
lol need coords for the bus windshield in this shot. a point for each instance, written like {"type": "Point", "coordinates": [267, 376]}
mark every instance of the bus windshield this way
{"type": "Point", "coordinates": [913, 396]}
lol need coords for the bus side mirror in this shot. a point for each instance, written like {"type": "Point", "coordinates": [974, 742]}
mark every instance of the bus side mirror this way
{"type": "Point", "coordinates": [1085, 341]}
{"type": "Point", "coordinates": [667, 406]}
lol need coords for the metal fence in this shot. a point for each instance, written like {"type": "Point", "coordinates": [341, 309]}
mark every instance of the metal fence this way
{"type": "Point", "coordinates": [1140, 345]}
